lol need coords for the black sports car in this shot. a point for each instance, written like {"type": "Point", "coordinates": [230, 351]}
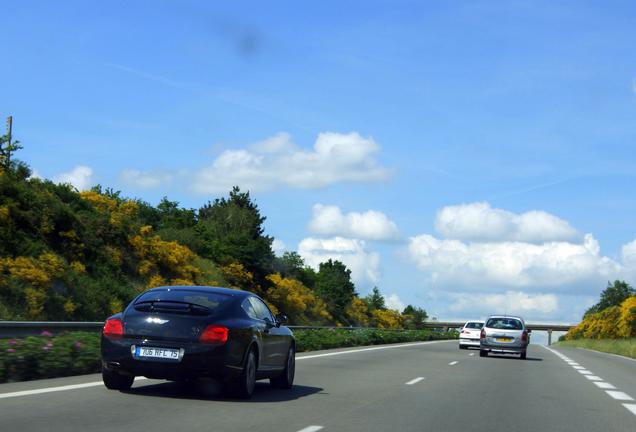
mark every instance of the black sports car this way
{"type": "Point", "coordinates": [188, 332]}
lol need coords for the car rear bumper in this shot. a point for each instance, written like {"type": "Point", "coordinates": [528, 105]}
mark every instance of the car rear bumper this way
{"type": "Point", "coordinates": [199, 360]}
{"type": "Point", "coordinates": [504, 349]}
{"type": "Point", "coordinates": [469, 342]}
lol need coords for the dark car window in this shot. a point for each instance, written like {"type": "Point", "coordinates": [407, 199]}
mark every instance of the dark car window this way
{"type": "Point", "coordinates": [474, 325]}
{"type": "Point", "coordinates": [261, 309]}
{"type": "Point", "coordinates": [209, 300]}
{"type": "Point", "coordinates": [249, 309]}
{"type": "Point", "coordinates": [504, 324]}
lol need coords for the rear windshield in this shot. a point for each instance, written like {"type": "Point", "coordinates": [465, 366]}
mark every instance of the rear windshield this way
{"type": "Point", "coordinates": [474, 325]}
{"type": "Point", "coordinates": [504, 324]}
{"type": "Point", "coordinates": [209, 301]}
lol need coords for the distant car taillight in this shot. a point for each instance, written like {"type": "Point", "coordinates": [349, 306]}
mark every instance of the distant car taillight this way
{"type": "Point", "coordinates": [113, 329]}
{"type": "Point", "coordinates": [524, 336]}
{"type": "Point", "coordinates": [214, 334]}
{"type": "Point", "coordinates": [482, 334]}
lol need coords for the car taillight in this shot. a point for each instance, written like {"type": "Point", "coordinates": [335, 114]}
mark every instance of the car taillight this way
{"type": "Point", "coordinates": [113, 329]}
{"type": "Point", "coordinates": [524, 336]}
{"type": "Point", "coordinates": [214, 334]}
{"type": "Point", "coordinates": [482, 334]}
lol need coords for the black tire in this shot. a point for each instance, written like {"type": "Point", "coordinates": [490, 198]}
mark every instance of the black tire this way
{"type": "Point", "coordinates": [523, 356]}
{"type": "Point", "coordinates": [483, 353]}
{"type": "Point", "coordinates": [461, 347]}
{"type": "Point", "coordinates": [286, 379]}
{"type": "Point", "coordinates": [114, 381]}
{"type": "Point", "coordinates": [243, 387]}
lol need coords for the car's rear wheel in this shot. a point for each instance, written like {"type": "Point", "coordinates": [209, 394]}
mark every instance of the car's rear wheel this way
{"type": "Point", "coordinates": [286, 379]}
{"type": "Point", "coordinates": [243, 387]}
{"type": "Point", "coordinates": [483, 353]}
{"type": "Point", "coordinates": [523, 356]}
{"type": "Point", "coordinates": [114, 381]}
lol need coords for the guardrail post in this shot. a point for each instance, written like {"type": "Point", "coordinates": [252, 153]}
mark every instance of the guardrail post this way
{"type": "Point", "coordinates": [549, 337]}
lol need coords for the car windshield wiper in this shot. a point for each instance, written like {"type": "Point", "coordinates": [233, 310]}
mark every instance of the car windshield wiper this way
{"type": "Point", "coordinates": [172, 306]}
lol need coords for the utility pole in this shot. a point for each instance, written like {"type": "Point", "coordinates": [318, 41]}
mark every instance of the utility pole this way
{"type": "Point", "coordinates": [9, 126]}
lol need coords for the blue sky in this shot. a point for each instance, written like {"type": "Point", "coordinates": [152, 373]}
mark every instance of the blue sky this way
{"type": "Point", "coordinates": [484, 139]}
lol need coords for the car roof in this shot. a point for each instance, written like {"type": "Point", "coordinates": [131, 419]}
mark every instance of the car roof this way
{"type": "Point", "coordinates": [207, 289]}
{"type": "Point", "coordinates": [475, 321]}
{"type": "Point", "coordinates": [507, 316]}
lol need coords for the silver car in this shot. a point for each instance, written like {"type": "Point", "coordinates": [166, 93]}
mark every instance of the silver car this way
{"type": "Point", "coordinates": [504, 334]}
{"type": "Point", "coordinates": [469, 334]}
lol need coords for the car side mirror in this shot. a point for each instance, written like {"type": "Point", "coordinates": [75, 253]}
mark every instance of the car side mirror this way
{"type": "Point", "coordinates": [281, 319]}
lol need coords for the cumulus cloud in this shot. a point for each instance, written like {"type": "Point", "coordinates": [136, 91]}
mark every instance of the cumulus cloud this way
{"type": "Point", "coordinates": [278, 246]}
{"type": "Point", "coordinates": [513, 264]}
{"type": "Point", "coordinates": [278, 162]}
{"type": "Point", "coordinates": [145, 180]}
{"type": "Point", "coordinates": [81, 177]}
{"type": "Point", "coordinates": [364, 265]}
{"type": "Point", "coordinates": [370, 225]}
{"type": "Point", "coordinates": [512, 302]}
{"type": "Point", "coordinates": [394, 302]}
{"type": "Point", "coordinates": [480, 222]}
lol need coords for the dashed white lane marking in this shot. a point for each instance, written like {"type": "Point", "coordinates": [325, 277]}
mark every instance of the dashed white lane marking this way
{"type": "Point", "coordinates": [619, 395]}
{"type": "Point", "coordinates": [369, 349]}
{"type": "Point", "coordinates": [578, 367]}
{"type": "Point", "coordinates": [585, 372]}
{"type": "Point", "coordinates": [453, 363]}
{"type": "Point", "coordinates": [311, 429]}
{"type": "Point", "coordinates": [604, 385]}
{"type": "Point", "coordinates": [631, 407]}
{"type": "Point", "coordinates": [593, 377]}
{"type": "Point", "coordinates": [414, 381]}
{"type": "Point", "coordinates": [56, 389]}
{"type": "Point", "coordinates": [471, 354]}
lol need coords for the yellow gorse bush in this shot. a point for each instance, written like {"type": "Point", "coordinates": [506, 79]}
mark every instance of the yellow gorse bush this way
{"type": "Point", "coordinates": [610, 323]}
{"type": "Point", "coordinates": [295, 299]}
{"type": "Point", "coordinates": [388, 318]}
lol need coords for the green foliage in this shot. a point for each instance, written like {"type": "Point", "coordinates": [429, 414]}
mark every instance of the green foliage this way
{"type": "Point", "coordinates": [414, 317]}
{"type": "Point", "coordinates": [613, 295]}
{"type": "Point", "coordinates": [375, 300]}
{"type": "Point", "coordinates": [292, 265]}
{"type": "Point", "coordinates": [231, 230]}
{"type": "Point", "coordinates": [333, 284]}
{"type": "Point", "coordinates": [624, 347]}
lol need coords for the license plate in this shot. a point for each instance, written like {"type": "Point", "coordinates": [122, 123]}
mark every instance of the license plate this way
{"type": "Point", "coordinates": [503, 339]}
{"type": "Point", "coordinates": [157, 353]}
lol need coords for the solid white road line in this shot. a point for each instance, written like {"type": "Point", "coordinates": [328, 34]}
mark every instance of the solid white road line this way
{"type": "Point", "coordinates": [593, 377]}
{"type": "Point", "coordinates": [631, 407]}
{"type": "Point", "coordinates": [56, 389]}
{"type": "Point", "coordinates": [311, 429]}
{"type": "Point", "coordinates": [618, 395]}
{"type": "Point", "coordinates": [414, 381]}
{"type": "Point", "coordinates": [604, 385]}
{"type": "Point", "coordinates": [453, 363]}
{"type": "Point", "coordinates": [369, 349]}
{"type": "Point", "coordinates": [609, 354]}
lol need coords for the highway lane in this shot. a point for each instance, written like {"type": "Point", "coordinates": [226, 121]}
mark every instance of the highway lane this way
{"type": "Point", "coordinates": [432, 386]}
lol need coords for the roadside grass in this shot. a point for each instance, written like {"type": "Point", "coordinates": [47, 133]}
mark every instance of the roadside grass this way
{"type": "Point", "coordinates": [624, 347]}
{"type": "Point", "coordinates": [77, 353]}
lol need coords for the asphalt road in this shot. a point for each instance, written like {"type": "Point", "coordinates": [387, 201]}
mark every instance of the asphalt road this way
{"type": "Point", "coordinates": [416, 387]}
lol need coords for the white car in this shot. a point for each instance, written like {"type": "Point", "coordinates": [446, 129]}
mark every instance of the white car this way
{"type": "Point", "coordinates": [469, 334]}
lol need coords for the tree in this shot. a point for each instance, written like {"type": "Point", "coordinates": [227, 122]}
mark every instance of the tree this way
{"type": "Point", "coordinates": [375, 300]}
{"type": "Point", "coordinates": [414, 317]}
{"type": "Point", "coordinates": [613, 295]}
{"type": "Point", "coordinates": [231, 230]}
{"type": "Point", "coordinates": [334, 286]}
{"type": "Point", "coordinates": [292, 265]}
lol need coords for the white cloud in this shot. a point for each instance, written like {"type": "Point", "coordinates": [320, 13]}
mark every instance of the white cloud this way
{"type": "Point", "coordinates": [370, 225]}
{"type": "Point", "coordinates": [394, 302]}
{"type": "Point", "coordinates": [364, 265]}
{"type": "Point", "coordinates": [145, 180]}
{"type": "Point", "coordinates": [278, 246]}
{"type": "Point", "coordinates": [278, 162]}
{"type": "Point", "coordinates": [629, 256]}
{"type": "Point", "coordinates": [513, 264]}
{"type": "Point", "coordinates": [480, 222]}
{"type": "Point", "coordinates": [81, 177]}
{"type": "Point", "coordinates": [512, 302]}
